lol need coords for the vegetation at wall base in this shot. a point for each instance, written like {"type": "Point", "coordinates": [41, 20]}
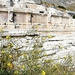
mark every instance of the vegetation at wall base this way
{"type": "Point", "coordinates": [14, 61]}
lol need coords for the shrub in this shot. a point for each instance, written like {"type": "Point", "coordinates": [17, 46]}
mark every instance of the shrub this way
{"type": "Point", "coordinates": [14, 61]}
{"type": "Point", "coordinates": [73, 16]}
{"type": "Point", "coordinates": [61, 7]}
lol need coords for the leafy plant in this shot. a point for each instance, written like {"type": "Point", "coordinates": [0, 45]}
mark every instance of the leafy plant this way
{"type": "Point", "coordinates": [15, 61]}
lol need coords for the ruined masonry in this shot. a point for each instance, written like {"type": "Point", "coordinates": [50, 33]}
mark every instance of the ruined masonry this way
{"type": "Point", "coordinates": [19, 16]}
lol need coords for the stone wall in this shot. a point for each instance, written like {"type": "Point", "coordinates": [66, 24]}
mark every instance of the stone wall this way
{"type": "Point", "coordinates": [3, 17]}
{"type": "Point", "coordinates": [33, 6]}
{"type": "Point", "coordinates": [39, 19]}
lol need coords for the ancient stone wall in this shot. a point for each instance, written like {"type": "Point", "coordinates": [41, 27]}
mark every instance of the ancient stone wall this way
{"type": "Point", "coordinates": [3, 17]}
